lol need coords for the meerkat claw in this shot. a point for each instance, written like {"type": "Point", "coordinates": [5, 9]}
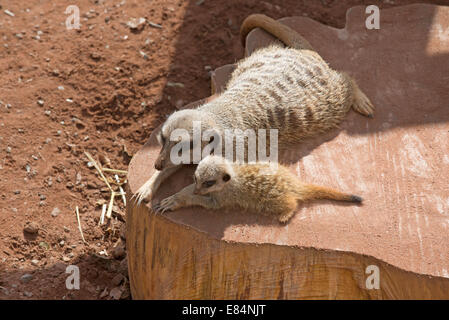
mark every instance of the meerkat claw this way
{"type": "Point", "coordinates": [146, 191]}
{"type": "Point", "coordinates": [167, 204]}
{"type": "Point", "coordinates": [156, 207]}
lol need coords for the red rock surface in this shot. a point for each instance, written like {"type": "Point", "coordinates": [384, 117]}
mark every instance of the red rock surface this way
{"type": "Point", "coordinates": [398, 161]}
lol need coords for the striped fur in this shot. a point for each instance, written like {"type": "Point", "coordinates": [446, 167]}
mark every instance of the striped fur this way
{"type": "Point", "coordinates": [291, 89]}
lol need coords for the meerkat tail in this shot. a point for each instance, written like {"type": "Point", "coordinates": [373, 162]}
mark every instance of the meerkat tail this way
{"type": "Point", "coordinates": [313, 192]}
{"type": "Point", "coordinates": [284, 33]}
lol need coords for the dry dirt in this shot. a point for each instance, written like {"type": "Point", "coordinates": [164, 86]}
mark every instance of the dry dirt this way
{"type": "Point", "coordinates": [102, 89]}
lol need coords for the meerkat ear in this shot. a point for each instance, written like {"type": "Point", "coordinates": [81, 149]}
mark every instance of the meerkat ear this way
{"type": "Point", "coordinates": [226, 177]}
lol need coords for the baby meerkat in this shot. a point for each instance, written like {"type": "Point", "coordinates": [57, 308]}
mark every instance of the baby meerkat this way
{"type": "Point", "coordinates": [291, 89]}
{"type": "Point", "coordinates": [259, 187]}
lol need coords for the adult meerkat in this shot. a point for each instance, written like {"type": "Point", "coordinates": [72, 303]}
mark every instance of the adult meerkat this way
{"type": "Point", "coordinates": [291, 89]}
{"type": "Point", "coordinates": [260, 187]}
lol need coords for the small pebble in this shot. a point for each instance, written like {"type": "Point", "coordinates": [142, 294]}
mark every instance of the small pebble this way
{"type": "Point", "coordinates": [26, 277]}
{"type": "Point", "coordinates": [115, 293]}
{"type": "Point", "coordinates": [78, 178]}
{"type": "Point", "coordinates": [34, 262]}
{"type": "Point", "coordinates": [40, 102]}
{"type": "Point", "coordinates": [136, 24]}
{"type": "Point", "coordinates": [117, 280]}
{"type": "Point", "coordinates": [95, 56]}
{"type": "Point", "coordinates": [55, 212]}
{"type": "Point", "coordinates": [31, 228]}
{"type": "Point", "coordinates": [119, 252]}
{"type": "Point", "coordinates": [179, 103]}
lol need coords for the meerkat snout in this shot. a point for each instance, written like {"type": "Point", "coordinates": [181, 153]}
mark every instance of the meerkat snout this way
{"type": "Point", "coordinates": [159, 164]}
{"type": "Point", "coordinates": [212, 175]}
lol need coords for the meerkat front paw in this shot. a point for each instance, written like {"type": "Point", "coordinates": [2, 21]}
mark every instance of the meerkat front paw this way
{"type": "Point", "coordinates": [363, 105]}
{"type": "Point", "coordinates": [168, 204]}
{"type": "Point", "coordinates": [145, 192]}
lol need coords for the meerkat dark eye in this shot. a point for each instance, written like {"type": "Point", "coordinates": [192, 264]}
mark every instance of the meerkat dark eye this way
{"type": "Point", "coordinates": [211, 139]}
{"type": "Point", "coordinates": [226, 177]}
{"type": "Point", "coordinates": [209, 183]}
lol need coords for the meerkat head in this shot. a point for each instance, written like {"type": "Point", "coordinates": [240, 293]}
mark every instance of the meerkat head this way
{"type": "Point", "coordinates": [212, 174]}
{"type": "Point", "coordinates": [180, 127]}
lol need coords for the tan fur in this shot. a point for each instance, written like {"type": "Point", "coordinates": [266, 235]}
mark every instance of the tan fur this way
{"type": "Point", "coordinates": [287, 35]}
{"type": "Point", "coordinates": [261, 187]}
{"type": "Point", "coordinates": [289, 89]}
